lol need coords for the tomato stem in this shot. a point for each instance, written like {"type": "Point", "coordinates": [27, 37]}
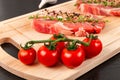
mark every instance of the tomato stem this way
{"type": "Point", "coordinates": [61, 38]}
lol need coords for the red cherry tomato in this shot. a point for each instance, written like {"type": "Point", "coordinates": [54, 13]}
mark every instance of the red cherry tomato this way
{"type": "Point", "coordinates": [73, 58]}
{"type": "Point", "coordinates": [27, 56]}
{"type": "Point", "coordinates": [93, 49]}
{"type": "Point", "coordinates": [48, 57]}
{"type": "Point", "coordinates": [60, 45]}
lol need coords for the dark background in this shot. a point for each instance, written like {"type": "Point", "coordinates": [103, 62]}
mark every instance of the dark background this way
{"type": "Point", "coordinates": [109, 70]}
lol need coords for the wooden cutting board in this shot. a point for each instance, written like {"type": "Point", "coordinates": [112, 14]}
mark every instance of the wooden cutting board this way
{"type": "Point", "coordinates": [18, 30]}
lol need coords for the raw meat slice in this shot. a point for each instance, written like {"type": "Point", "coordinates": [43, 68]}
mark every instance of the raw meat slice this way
{"type": "Point", "coordinates": [100, 7]}
{"type": "Point", "coordinates": [77, 24]}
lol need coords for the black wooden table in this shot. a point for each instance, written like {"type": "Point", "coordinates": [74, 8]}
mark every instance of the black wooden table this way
{"type": "Point", "coordinates": [109, 70]}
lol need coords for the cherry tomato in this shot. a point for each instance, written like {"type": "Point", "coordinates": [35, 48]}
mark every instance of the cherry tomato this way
{"type": "Point", "coordinates": [73, 58]}
{"type": "Point", "coordinates": [27, 56]}
{"type": "Point", "coordinates": [48, 57]}
{"type": "Point", "coordinates": [93, 49]}
{"type": "Point", "coordinates": [60, 45]}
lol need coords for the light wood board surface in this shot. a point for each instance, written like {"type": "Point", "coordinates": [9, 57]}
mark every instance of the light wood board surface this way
{"type": "Point", "coordinates": [18, 30]}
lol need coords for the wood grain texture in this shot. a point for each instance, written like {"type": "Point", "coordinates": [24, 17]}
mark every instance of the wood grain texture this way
{"type": "Point", "coordinates": [18, 30]}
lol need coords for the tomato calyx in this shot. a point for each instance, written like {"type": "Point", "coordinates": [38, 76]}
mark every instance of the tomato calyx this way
{"type": "Point", "coordinates": [27, 46]}
{"type": "Point", "coordinates": [72, 45]}
{"type": "Point", "coordinates": [92, 36]}
{"type": "Point", "coordinates": [50, 45]}
{"type": "Point", "coordinates": [58, 36]}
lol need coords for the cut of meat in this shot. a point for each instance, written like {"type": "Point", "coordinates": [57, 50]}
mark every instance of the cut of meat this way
{"type": "Point", "coordinates": [43, 25]}
{"type": "Point", "coordinates": [99, 8]}
{"type": "Point", "coordinates": [77, 29]}
{"type": "Point", "coordinates": [79, 25]}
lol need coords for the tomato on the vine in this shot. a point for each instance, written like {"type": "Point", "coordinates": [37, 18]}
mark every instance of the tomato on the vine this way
{"type": "Point", "coordinates": [48, 57]}
{"type": "Point", "coordinates": [27, 56]}
{"type": "Point", "coordinates": [60, 48]}
{"type": "Point", "coordinates": [94, 48]}
{"type": "Point", "coordinates": [73, 58]}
